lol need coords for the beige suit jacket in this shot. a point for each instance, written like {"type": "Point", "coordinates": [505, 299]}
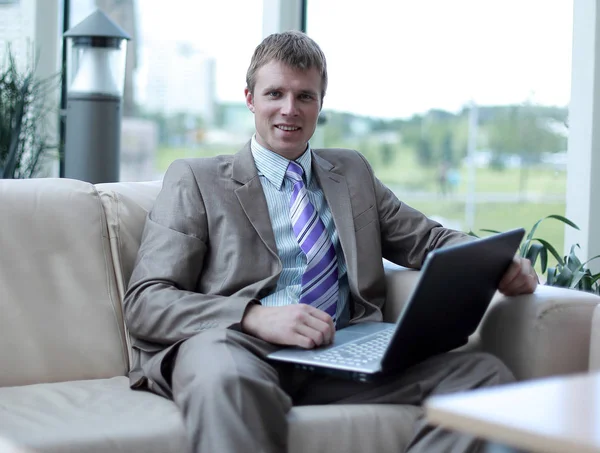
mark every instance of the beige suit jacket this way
{"type": "Point", "coordinates": [208, 249]}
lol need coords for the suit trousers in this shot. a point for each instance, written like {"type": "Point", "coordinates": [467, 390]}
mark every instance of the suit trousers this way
{"type": "Point", "coordinates": [233, 400]}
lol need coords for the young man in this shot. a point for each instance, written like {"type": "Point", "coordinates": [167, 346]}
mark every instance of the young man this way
{"type": "Point", "coordinates": [280, 244]}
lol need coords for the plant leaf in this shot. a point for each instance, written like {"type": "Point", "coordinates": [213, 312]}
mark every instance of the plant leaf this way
{"type": "Point", "coordinates": [552, 250]}
{"type": "Point", "coordinates": [551, 276]}
{"type": "Point", "coordinates": [576, 279]}
{"type": "Point", "coordinates": [490, 231]}
{"type": "Point", "coordinates": [533, 253]}
{"type": "Point", "coordinates": [563, 219]}
{"type": "Point", "coordinates": [544, 259]}
{"type": "Point", "coordinates": [572, 261]}
{"type": "Point", "coordinates": [585, 283]}
{"type": "Point", "coordinates": [533, 228]}
{"type": "Point", "coordinates": [563, 279]}
{"type": "Point", "coordinates": [591, 259]}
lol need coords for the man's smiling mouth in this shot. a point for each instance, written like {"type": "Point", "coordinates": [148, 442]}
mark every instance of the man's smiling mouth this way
{"type": "Point", "coordinates": [287, 128]}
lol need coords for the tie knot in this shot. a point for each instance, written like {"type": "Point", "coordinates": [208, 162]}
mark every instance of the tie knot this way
{"type": "Point", "coordinates": [294, 171]}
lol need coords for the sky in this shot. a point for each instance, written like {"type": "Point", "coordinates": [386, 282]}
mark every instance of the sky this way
{"type": "Point", "coordinates": [399, 57]}
{"type": "Point", "coordinates": [392, 58]}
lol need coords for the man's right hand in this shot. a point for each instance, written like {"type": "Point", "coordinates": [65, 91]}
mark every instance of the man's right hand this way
{"type": "Point", "coordinates": [293, 325]}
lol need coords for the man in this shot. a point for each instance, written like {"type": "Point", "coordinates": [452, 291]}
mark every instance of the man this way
{"type": "Point", "coordinates": [280, 244]}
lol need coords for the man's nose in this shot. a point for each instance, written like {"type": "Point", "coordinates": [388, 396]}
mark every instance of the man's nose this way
{"type": "Point", "coordinates": [290, 106]}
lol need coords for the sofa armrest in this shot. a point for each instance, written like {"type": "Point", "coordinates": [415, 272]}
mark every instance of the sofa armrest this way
{"type": "Point", "coordinates": [542, 334]}
{"type": "Point", "coordinates": [400, 282]}
{"type": "Point", "coordinates": [595, 341]}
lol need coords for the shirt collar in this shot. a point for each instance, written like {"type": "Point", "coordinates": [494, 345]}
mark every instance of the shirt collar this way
{"type": "Point", "coordinates": [273, 166]}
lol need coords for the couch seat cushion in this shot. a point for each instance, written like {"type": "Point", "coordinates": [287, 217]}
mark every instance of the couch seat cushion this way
{"type": "Point", "coordinates": [104, 415]}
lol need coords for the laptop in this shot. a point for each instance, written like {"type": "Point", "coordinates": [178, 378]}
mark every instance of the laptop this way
{"type": "Point", "coordinates": [454, 290]}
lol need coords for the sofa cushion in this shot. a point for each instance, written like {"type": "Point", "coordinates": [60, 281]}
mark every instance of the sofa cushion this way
{"type": "Point", "coordinates": [60, 316]}
{"type": "Point", "coordinates": [105, 415]}
{"type": "Point", "coordinates": [101, 415]}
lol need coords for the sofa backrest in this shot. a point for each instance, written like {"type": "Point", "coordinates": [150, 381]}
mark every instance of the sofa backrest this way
{"type": "Point", "coordinates": [126, 205]}
{"type": "Point", "coordinates": [60, 317]}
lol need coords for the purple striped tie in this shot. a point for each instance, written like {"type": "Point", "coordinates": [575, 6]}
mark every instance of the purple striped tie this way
{"type": "Point", "coordinates": [320, 280]}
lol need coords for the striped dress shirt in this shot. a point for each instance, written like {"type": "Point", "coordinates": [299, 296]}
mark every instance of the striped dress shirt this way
{"type": "Point", "coordinates": [278, 192]}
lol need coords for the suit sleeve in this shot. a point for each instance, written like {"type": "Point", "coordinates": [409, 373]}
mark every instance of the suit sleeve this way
{"type": "Point", "coordinates": [407, 235]}
{"type": "Point", "coordinates": [161, 304]}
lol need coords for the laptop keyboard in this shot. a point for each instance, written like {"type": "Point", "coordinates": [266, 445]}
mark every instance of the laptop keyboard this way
{"type": "Point", "coordinates": [359, 352]}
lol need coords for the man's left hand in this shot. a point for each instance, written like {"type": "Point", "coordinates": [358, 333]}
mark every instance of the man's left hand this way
{"type": "Point", "coordinates": [520, 278]}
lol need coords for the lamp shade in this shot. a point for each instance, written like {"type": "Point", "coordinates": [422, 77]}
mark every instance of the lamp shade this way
{"type": "Point", "coordinates": [97, 56]}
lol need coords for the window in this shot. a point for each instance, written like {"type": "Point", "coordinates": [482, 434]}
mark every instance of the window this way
{"type": "Point", "coordinates": [185, 78]}
{"type": "Point", "coordinates": [17, 29]}
{"type": "Point", "coordinates": [461, 107]}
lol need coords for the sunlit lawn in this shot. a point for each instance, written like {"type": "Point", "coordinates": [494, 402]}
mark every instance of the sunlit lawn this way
{"type": "Point", "coordinates": [407, 175]}
{"type": "Point", "coordinates": [165, 156]}
{"type": "Point", "coordinates": [405, 171]}
{"type": "Point", "coordinates": [501, 217]}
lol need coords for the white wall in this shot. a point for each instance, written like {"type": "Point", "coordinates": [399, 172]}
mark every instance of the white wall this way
{"type": "Point", "coordinates": [281, 15]}
{"type": "Point", "coordinates": [583, 167]}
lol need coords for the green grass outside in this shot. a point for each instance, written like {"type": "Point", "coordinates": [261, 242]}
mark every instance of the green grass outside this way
{"type": "Point", "coordinates": [165, 156]}
{"type": "Point", "coordinates": [405, 171]}
{"type": "Point", "coordinates": [502, 217]}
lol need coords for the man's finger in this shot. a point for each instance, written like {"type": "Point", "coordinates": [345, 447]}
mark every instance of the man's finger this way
{"type": "Point", "coordinates": [323, 316]}
{"type": "Point", "coordinates": [325, 327]}
{"type": "Point", "coordinates": [523, 284]}
{"type": "Point", "coordinates": [317, 337]}
{"type": "Point", "coordinates": [513, 271]}
{"type": "Point", "coordinates": [302, 341]}
{"type": "Point", "coordinates": [317, 313]}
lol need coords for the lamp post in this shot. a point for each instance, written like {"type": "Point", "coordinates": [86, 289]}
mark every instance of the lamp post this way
{"type": "Point", "coordinates": [94, 93]}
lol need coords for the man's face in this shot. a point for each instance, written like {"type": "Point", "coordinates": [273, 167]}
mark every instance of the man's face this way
{"type": "Point", "coordinates": [286, 104]}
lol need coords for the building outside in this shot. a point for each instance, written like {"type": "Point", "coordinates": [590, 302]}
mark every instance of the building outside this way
{"type": "Point", "coordinates": [17, 29]}
{"type": "Point", "coordinates": [180, 79]}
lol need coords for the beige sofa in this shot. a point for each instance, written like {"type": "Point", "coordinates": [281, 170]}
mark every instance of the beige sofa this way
{"type": "Point", "coordinates": [66, 251]}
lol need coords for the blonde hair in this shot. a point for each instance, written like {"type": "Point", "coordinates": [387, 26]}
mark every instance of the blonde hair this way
{"type": "Point", "coordinates": [292, 48]}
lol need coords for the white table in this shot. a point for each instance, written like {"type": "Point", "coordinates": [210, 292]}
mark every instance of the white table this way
{"type": "Point", "coordinates": [554, 415]}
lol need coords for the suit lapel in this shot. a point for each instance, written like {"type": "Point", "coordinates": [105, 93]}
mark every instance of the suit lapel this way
{"type": "Point", "coordinates": [252, 197]}
{"type": "Point", "coordinates": [335, 190]}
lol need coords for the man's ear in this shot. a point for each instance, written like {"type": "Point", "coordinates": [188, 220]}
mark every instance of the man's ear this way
{"type": "Point", "coordinates": [249, 100]}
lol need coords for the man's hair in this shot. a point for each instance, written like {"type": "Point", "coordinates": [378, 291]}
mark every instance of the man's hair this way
{"type": "Point", "coordinates": [292, 48]}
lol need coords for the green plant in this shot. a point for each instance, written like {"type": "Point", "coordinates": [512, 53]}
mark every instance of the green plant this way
{"type": "Point", "coordinates": [572, 273]}
{"type": "Point", "coordinates": [569, 271]}
{"type": "Point", "coordinates": [24, 141]}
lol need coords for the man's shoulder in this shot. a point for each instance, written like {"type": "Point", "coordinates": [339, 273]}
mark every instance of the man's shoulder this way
{"type": "Point", "coordinates": [203, 163]}
{"type": "Point", "coordinates": [340, 156]}
{"type": "Point", "coordinates": [203, 166]}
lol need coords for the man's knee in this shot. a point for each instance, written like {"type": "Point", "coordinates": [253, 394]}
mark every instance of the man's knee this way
{"type": "Point", "coordinates": [490, 366]}
{"type": "Point", "coordinates": [211, 364]}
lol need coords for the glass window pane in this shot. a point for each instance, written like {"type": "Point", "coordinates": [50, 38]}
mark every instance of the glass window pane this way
{"type": "Point", "coordinates": [17, 29]}
{"type": "Point", "coordinates": [461, 107]}
{"type": "Point", "coordinates": [185, 78]}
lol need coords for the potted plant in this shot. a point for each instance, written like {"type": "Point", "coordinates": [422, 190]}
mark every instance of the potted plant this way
{"type": "Point", "coordinates": [24, 140]}
{"type": "Point", "coordinates": [569, 271]}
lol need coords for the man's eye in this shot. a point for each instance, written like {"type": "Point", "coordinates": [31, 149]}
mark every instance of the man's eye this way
{"type": "Point", "coordinates": [273, 94]}
{"type": "Point", "coordinates": [306, 97]}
